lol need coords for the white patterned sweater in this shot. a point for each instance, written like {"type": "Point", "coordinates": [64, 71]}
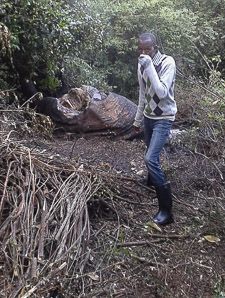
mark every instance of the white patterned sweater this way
{"type": "Point", "coordinates": [156, 89]}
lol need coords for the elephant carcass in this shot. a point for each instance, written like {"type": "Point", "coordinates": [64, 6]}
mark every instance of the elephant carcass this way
{"type": "Point", "coordinates": [86, 110]}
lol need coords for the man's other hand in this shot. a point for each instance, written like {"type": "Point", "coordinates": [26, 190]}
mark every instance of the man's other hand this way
{"type": "Point", "coordinates": [136, 129]}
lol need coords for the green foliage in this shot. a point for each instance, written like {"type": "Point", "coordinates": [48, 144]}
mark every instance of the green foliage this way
{"type": "Point", "coordinates": [204, 114]}
{"type": "Point", "coordinates": [43, 32]}
{"type": "Point", "coordinates": [79, 72]}
{"type": "Point", "coordinates": [180, 31]}
{"type": "Point", "coordinates": [94, 41]}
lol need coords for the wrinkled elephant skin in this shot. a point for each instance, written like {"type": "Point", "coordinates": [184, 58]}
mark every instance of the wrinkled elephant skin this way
{"type": "Point", "coordinates": [112, 114]}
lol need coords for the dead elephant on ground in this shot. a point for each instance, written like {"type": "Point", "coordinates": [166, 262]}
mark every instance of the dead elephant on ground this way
{"type": "Point", "coordinates": [86, 110]}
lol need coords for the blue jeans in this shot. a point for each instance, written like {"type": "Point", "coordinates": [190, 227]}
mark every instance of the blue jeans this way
{"type": "Point", "coordinates": [156, 133]}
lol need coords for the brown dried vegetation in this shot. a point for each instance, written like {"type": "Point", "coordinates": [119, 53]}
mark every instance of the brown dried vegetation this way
{"type": "Point", "coordinates": [75, 222]}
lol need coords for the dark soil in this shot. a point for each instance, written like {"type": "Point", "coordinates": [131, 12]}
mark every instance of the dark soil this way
{"type": "Point", "coordinates": [129, 257]}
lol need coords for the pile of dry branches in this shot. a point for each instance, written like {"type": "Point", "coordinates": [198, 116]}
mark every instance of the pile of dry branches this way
{"type": "Point", "coordinates": [46, 239]}
{"type": "Point", "coordinates": [44, 224]}
{"type": "Point", "coordinates": [44, 218]}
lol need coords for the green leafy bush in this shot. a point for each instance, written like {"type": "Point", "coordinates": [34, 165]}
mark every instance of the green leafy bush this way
{"type": "Point", "coordinates": [94, 41]}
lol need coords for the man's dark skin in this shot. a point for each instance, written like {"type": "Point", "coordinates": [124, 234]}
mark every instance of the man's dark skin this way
{"type": "Point", "coordinates": [147, 47]}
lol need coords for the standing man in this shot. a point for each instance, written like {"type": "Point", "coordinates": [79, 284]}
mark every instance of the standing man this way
{"type": "Point", "coordinates": [157, 107]}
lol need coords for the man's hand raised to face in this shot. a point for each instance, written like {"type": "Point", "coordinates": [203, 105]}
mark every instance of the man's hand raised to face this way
{"type": "Point", "coordinates": [144, 60]}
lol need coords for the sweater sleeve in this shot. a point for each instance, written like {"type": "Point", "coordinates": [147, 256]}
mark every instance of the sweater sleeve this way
{"type": "Point", "coordinates": [162, 85]}
{"type": "Point", "coordinates": [141, 102]}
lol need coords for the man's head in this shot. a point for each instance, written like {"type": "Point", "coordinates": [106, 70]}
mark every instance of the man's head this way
{"type": "Point", "coordinates": [147, 44]}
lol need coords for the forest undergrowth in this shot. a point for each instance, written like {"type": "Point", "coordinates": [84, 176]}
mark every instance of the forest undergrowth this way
{"type": "Point", "coordinates": [76, 222]}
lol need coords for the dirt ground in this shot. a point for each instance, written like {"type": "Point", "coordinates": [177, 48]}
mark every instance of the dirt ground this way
{"type": "Point", "coordinates": [129, 256]}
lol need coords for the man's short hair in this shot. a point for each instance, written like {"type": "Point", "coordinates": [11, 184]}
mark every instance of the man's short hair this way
{"type": "Point", "coordinates": [149, 36]}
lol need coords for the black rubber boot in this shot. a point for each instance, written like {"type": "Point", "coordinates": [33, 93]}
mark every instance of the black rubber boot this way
{"type": "Point", "coordinates": [164, 215]}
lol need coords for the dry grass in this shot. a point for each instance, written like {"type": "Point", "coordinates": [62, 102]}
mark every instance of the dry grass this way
{"type": "Point", "coordinates": [71, 229]}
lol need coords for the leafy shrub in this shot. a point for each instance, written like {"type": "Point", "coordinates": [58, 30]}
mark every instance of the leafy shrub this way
{"type": "Point", "coordinates": [94, 42]}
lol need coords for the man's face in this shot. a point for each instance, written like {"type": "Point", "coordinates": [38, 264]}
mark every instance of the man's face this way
{"type": "Point", "coordinates": [146, 47]}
